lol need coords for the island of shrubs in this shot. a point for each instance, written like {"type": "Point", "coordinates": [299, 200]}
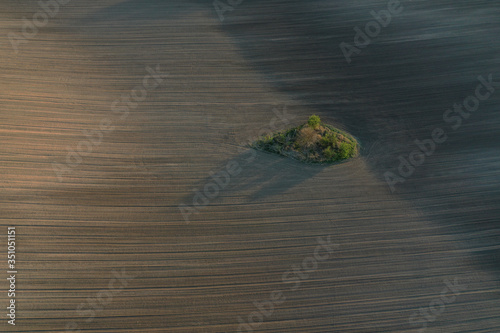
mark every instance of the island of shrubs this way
{"type": "Point", "coordinates": [313, 142]}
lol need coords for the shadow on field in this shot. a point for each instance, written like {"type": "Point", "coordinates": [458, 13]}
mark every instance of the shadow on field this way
{"type": "Point", "coordinates": [395, 91]}
{"type": "Point", "coordinates": [262, 175]}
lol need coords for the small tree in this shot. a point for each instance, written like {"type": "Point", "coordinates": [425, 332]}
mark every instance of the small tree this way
{"type": "Point", "coordinates": [314, 121]}
{"type": "Point", "coordinates": [346, 150]}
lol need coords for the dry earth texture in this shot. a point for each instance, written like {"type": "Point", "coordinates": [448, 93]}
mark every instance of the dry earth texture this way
{"type": "Point", "coordinates": [221, 85]}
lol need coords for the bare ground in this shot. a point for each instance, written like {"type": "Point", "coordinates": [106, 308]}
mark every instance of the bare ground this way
{"type": "Point", "coordinates": [119, 207]}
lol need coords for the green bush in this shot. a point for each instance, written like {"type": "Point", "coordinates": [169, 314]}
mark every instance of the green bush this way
{"type": "Point", "coordinates": [324, 142]}
{"type": "Point", "coordinates": [329, 153]}
{"type": "Point", "coordinates": [314, 121]}
{"type": "Point", "coordinates": [302, 142]}
{"type": "Point", "coordinates": [266, 140]}
{"type": "Point", "coordinates": [346, 150]}
{"type": "Point", "coordinates": [280, 138]}
{"type": "Point", "coordinates": [329, 139]}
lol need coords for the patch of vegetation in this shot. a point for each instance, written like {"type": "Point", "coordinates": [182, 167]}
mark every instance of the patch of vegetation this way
{"type": "Point", "coordinates": [314, 121]}
{"type": "Point", "coordinates": [314, 142]}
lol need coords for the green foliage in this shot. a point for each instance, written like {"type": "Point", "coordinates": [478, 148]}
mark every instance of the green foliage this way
{"type": "Point", "coordinates": [267, 139]}
{"type": "Point", "coordinates": [302, 143]}
{"type": "Point", "coordinates": [329, 139]}
{"type": "Point", "coordinates": [324, 142]}
{"type": "Point", "coordinates": [314, 121]}
{"type": "Point", "coordinates": [346, 150]}
{"type": "Point", "coordinates": [280, 138]}
{"type": "Point", "coordinates": [329, 153]}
